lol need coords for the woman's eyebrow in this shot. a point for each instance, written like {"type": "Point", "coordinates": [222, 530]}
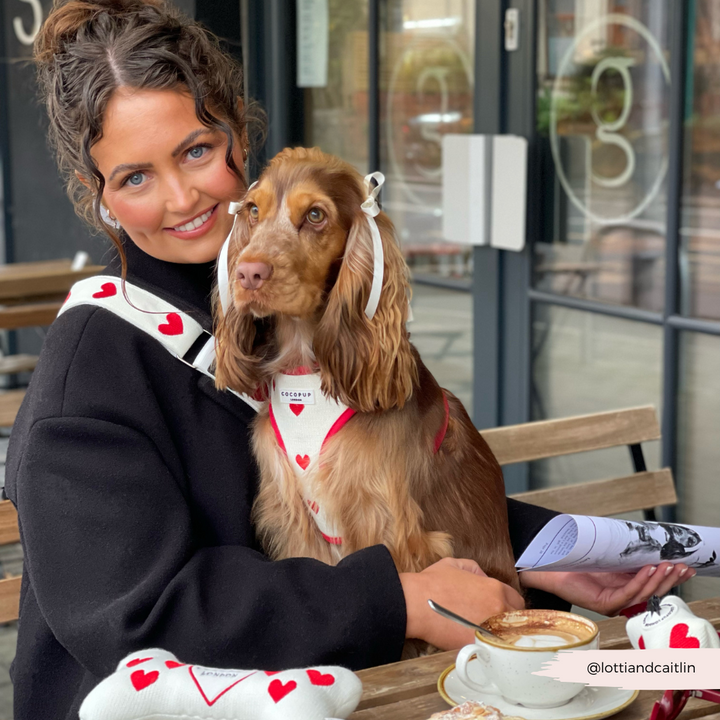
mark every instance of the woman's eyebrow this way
{"type": "Point", "coordinates": [148, 166]}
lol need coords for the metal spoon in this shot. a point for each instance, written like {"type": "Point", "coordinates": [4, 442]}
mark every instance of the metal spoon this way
{"type": "Point", "coordinates": [440, 610]}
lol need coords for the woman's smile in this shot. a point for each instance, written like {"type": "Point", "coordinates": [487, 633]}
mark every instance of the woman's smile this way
{"type": "Point", "coordinates": [168, 183]}
{"type": "Point", "coordinates": [196, 226]}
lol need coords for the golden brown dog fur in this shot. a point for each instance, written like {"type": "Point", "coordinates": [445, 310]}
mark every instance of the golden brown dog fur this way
{"type": "Point", "coordinates": [379, 477]}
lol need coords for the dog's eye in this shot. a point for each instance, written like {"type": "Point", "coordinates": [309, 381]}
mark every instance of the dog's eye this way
{"type": "Point", "coordinates": [254, 212]}
{"type": "Point", "coordinates": [315, 216]}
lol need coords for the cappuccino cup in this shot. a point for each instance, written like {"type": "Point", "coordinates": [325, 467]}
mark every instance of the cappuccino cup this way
{"type": "Point", "coordinates": [527, 640]}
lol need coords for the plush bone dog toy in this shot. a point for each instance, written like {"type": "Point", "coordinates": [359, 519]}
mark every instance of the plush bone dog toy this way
{"type": "Point", "coordinates": [672, 626]}
{"type": "Point", "coordinates": [153, 684]}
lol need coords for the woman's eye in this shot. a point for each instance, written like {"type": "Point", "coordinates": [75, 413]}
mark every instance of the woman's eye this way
{"type": "Point", "coordinates": [197, 152]}
{"type": "Point", "coordinates": [135, 179]}
{"type": "Point", "coordinates": [254, 212]}
{"type": "Point", "coordinates": [315, 216]}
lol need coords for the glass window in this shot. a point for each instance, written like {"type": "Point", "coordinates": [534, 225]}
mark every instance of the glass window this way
{"type": "Point", "coordinates": [698, 441]}
{"type": "Point", "coordinates": [426, 91]}
{"type": "Point", "coordinates": [442, 333]}
{"type": "Point", "coordinates": [338, 113]}
{"type": "Point", "coordinates": [602, 114]}
{"type": "Point", "coordinates": [700, 232]}
{"type": "Point", "coordinates": [587, 363]}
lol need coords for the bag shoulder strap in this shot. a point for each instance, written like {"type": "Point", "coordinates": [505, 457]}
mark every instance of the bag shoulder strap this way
{"type": "Point", "coordinates": [174, 329]}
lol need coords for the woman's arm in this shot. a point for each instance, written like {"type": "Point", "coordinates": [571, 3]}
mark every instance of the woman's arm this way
{"type": "Point", "coordinates": [110, 556]}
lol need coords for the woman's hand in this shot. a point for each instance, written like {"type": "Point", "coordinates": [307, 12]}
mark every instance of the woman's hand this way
{"type": "Point", "coordinates": [608, 593]}
{"type": "Point", "coordinates": [460, 586]}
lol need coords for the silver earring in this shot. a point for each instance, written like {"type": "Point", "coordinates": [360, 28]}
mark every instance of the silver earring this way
{"type": "Point", "coordinates": [108, 219]}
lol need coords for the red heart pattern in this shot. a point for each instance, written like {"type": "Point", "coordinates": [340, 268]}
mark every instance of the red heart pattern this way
{"type": "Point", "coordinates": [137, 661]}
{"type": "Point", "coordinates": [641, 643]}
{"type": "Point", "coordinates": [317, 678]}
{"type": "Point", "coordinates": [174, 325]}
{"type": "Point", "coordinates": [303, 461]}
{"type": "Point", "coordinates": [278, 690]}
{"type": "Point", "coordinates": [106, 290]}
{"type": "Point", "coordinates": [272, 672]}
{"type": "Point", "coordinates": [172, 664]}
{"type": "Point", "coordinates": [140, 679]}
{"type": "Point", "coordinates": [679, 637]}
{"type": "Point", "coordinates": [296, 408]}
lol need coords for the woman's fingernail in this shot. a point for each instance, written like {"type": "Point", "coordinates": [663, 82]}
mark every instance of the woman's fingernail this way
{"type": "Point", "coordinates": [668, 571]}
{"type": "Point", "coordinates": [682, 572]}
{"type": "Point", "coordinates": [652, 571]}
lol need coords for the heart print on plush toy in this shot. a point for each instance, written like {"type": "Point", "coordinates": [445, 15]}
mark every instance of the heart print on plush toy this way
{"type": "Point", "coordinates": [154, 683]}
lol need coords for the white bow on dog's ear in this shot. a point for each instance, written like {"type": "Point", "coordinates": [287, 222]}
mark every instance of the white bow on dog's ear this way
{"type": "Point", "coordinates": [371, 209]}
{"type": "Point", "coordinates": [222, 263]}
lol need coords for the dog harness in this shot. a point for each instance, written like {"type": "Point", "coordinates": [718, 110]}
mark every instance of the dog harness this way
{"type": "Point", "coordinates": [304, 419]}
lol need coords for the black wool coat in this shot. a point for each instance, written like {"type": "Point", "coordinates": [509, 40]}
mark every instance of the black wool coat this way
{"type": "Point", "coordinates": [134, 480]}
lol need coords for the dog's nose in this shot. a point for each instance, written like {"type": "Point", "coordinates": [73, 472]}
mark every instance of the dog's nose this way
{"type": "Point", "coordinates": [253, 274]}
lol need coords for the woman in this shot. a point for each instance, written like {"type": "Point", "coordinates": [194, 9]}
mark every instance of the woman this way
{"type": "Point", "coordinates": [132, 475]}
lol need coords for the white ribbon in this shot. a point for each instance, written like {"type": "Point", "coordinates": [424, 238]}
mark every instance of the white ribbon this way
{"type": "Point", "coordinates": [222, 263]}
{"type": "Point", "coordinates": [371, 210]}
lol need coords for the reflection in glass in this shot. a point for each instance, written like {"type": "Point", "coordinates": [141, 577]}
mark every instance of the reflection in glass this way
{"type": "Point", "coordinates": [700, 232]}
{"type": "Point", "coordinates": [426, 92]}
{"type": "Point", "coordinates": [442, 333]}
{"type": "Point", "coordinates": [603, 87]}
{"type": "Point", "coordinates": [586, 363]}
{"type": "Point", "coordinates": [698, 442]}
{"type": "Point", "coordinates": [338, 113]}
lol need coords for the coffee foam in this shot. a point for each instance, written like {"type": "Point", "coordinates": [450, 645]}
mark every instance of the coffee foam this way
{"type": "Point", "coordinates": [539, 629]}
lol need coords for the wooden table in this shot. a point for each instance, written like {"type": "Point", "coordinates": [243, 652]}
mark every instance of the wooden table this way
{"type": "Point", "coordinates": [408, 690]}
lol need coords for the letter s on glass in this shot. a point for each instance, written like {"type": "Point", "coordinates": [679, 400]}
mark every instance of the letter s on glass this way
{"type": "Point", "coordinates": [24, 37]}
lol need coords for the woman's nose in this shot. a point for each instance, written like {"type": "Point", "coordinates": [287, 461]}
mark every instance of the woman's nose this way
{"type": "Point", "coordinates": [181, 197]}
{"type": "Point", "coordinates": [252, 275]}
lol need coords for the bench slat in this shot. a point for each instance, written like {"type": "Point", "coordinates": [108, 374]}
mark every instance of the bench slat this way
{"type": "Point", "coordinates": [9, 599]}
{"type": "Point", "coordinates": [550, 438]}
{"type": "Point", "coordinates": [17, 363]}
{"type": "Point", "coordinates": [9, 532]}
{"type": "Point", "coordinates": [601, 498]}
{"type": "Point", "coordinates": [34, 315]}
{"type": "Point", "coordinates": [9, 405]}
{"type": "Point", "coordinates": [18, 280]}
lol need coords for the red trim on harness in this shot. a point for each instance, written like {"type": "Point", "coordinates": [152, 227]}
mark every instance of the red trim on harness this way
{"type": "Point", "coordinates": [331, 540]}
{"type": "Point", "coordinates": [441, 434]}
{"type": "Point", "coordinates": [300, 370]}
{"type": "Point", "coordinates": [337, 425]}
{"type": "Point", "coordinates": [276, 429]}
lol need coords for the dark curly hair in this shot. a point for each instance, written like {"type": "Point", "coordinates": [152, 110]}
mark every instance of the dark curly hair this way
{"type": "Point", "coordinates": [86, 49]}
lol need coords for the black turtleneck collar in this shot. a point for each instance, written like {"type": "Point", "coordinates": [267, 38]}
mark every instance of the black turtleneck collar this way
{"type": "Point", "coordinates": [187, 286]}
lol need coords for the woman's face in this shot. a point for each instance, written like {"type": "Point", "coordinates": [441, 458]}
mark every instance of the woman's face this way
{"type": "Point", "coordinates": [166, 180]}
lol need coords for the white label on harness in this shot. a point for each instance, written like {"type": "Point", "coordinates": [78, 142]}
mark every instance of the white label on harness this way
{"type": "Point", "coordinates": [297, 396]}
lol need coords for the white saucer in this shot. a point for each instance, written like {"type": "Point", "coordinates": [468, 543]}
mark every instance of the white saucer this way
{"type": "Point", "coordinates": [590, 704]}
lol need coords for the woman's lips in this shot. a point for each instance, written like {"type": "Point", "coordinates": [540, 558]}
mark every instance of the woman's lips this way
{"type": "Point", "coordinates": [198, 231]}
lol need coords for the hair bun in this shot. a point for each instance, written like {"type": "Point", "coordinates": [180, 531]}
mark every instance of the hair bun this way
{"type": "Point", "coordinates": [69, 17]}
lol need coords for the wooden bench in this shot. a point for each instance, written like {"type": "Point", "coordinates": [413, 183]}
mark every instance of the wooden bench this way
{"type": "Point", "coordinates": [642, 490]}
{"type": "Point", "coordinates": [9, 586]}
{"type": "Point", "coordinates": [518, 443]}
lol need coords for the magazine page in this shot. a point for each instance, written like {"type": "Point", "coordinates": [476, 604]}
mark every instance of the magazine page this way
{"type": "Point", "coordinates": [588, 544]}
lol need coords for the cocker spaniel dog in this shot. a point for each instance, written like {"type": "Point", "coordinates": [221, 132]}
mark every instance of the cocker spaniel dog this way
{"type": "Point", "coordinates": [357, 444]}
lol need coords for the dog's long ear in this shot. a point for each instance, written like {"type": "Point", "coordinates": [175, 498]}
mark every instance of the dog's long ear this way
{"type": "Point", "coordinates": [367, 364]}
{"type": "Point", "coordinates": [237, 366]}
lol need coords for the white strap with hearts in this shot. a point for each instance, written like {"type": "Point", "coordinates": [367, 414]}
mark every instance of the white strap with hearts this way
{"type": "Point", "coordinates": [174, 329]}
